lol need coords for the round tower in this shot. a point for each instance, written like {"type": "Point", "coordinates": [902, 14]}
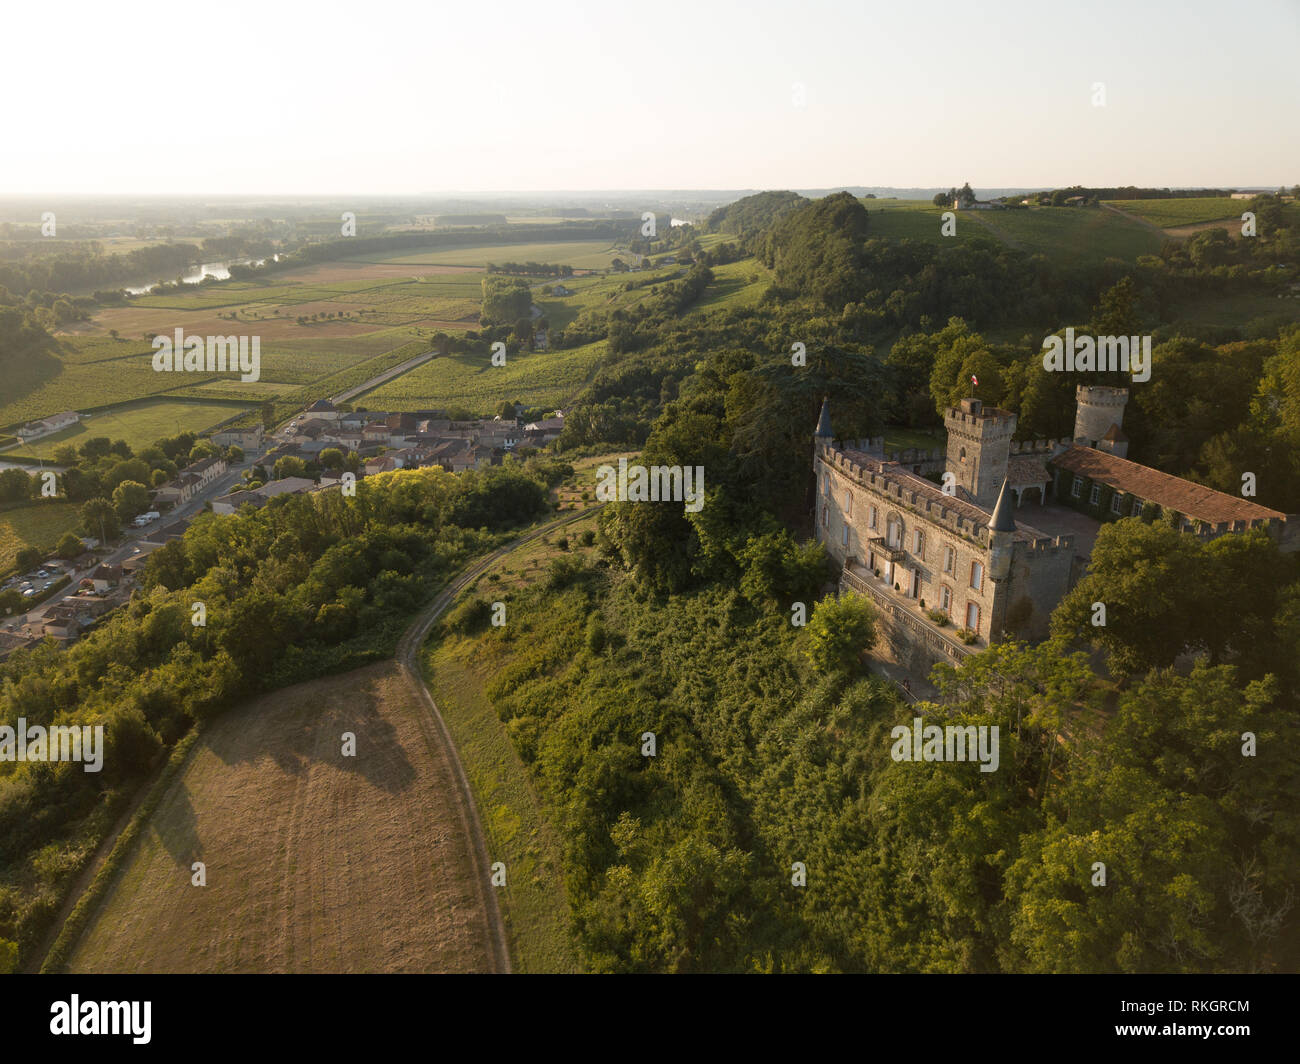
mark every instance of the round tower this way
{"type": "Point", "coordinates": [1097, 409]}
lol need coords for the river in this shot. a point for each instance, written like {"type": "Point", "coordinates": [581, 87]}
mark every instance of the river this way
{"type": "Point", "coordinates": [219, 270]}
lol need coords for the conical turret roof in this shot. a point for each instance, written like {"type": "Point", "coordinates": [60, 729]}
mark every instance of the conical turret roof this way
{"type": "Point", "coordinates": [1003, 511]}
{"type": "Point", "coordinates": [824, 422]}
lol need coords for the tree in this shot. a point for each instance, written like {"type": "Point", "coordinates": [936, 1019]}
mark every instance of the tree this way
{"type": "Point", "coordinates": [130, 498]}
{"type": "Point", "coordinates": [15, 485]}
{"type": "Point", "coordinates": [332, 458]}
{"type": "Point", "coordinates": [99, 518]}
{"type": "Point", "coordinates": [27, 558]}
{"type": "Point", "coordinates": [289, 466]}
{"type": "Point", "coordinates": [69, 545]}
{"type": "Point", "coordinates": [838, 631]}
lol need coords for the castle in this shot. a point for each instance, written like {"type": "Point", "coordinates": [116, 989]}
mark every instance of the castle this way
{"type": "Point", "coordinates": [990, 553]}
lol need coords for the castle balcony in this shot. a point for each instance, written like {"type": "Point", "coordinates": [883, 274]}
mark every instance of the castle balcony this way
{"type": "Point", "coordinates": [905, 616]}
{"type": "Point", "coordinates": [885, 551]}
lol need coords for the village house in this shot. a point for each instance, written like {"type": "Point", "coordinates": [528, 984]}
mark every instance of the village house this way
{"type": "Point", "coordinates": [106, 577]}
{"type": "Point", "coordinates": [247, 440]}
{"type": "Point", "coordinates": [323, 410]}
{"type": "Point", "coordinates": [34, 430]}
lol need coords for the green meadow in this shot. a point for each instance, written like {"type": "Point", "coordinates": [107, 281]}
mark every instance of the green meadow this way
{"type": "Point", "coordinates": [1171, 213]}
{"type": "Point", "coordinates": [139, 425]}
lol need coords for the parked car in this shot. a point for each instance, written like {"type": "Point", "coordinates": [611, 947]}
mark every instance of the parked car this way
{"type": "Point", "coordinates": [29, 592]}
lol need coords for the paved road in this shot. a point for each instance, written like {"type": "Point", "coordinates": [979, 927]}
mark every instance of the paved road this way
{"type": "Point", "coordinates": [408, 650]}
{"type": "Point", "coordinates": [221, 486]}
{"type": "Point", "coordinates": [383, 378]}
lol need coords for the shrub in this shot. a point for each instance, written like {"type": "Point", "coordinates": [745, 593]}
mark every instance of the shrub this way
{"type": "Point", "coordinates": [468, 616]}
{"type": "Point", "coordinates": [940, 617]}
{"type": "Point", "coordinates": [966, 635]}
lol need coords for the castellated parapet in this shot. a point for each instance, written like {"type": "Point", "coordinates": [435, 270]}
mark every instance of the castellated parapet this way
{"type": "Point", "coordinates": [954, 515]}
{"type": "Point", "coordinates": [1097, 409]}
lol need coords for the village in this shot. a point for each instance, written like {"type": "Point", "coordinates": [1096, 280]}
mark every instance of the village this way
{"type": "Point", "coordinates": [70, 596]}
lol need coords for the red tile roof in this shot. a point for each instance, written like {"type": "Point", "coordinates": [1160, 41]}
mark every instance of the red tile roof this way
{"type": "Point", "coordinates": [1027, 469]}
{"type": "Point", "coordinates": [1172, 493]}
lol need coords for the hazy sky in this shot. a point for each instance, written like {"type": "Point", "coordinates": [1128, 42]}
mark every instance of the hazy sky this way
{"type": "Point", "coordinates": [413, 96]}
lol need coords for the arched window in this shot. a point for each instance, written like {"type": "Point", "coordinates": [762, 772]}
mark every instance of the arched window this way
{"type": "Point", "coordinates": [962, 457]}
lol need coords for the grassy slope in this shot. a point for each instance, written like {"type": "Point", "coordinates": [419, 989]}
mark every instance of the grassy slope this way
{"type": "Point", "coordinates": [1070, 235]}
{"type": "Point", "coordinates": [36, 524]}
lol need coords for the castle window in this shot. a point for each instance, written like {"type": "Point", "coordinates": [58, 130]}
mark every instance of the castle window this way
{"type": "Point", "coordinates": [871, 520]}
{"type": "Point", "coordinates": [826, 517]}
{"type": "Point", "coordinates": [844, 536]}
{"type": "Point", "coordinates": [972, 616]}
{"type": "Point", "coordinates": [949, 559]}
{"type": "Point", "coordinates": [962, 457]}
{"type": "Point", "coordinates": [1115, 501]}
{"type": "Point", "coordinates": [848, 504]}
{"type": "Point", "coordinates": [917, 541]}
{"type": "Point", "coordinates": [945, 597]}
{"type": "Point", "coordinates": [977, 575]}
{"type": "Point", "coordinates": [1095, 497]}
{"type": "Point", "coordinates": [1137, 507]}
{"type": "Point", "coordinates": [1076, 489]}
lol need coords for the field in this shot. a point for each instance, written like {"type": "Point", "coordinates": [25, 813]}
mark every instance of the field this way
{"type": "Point", "coordinates": [543, 378]}
{"type": "Point", "coordinates": [580, 254]}
{"type": "Point", "coordinates": [139, 425]}
{"type": "Point", "coordinates": [358, 318]}
{"type": "Point", "coordinates": [735, 284]}
{"type": "Point", "coordinates": [314, 862]}
{"type": "Point", "coordinates": [894, 219]}
{"type": "Point", "coordinates": [36, 524]}
{"type": "Point", "coordinates": [1169, 213]}
{"type": "Point", "coordinates": [1069, 235]}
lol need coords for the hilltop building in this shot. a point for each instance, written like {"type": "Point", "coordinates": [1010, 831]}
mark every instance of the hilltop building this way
{"type": "Point", "coordinates": [992, 551]}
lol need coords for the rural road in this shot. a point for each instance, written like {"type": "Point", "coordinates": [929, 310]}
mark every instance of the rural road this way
{"type": "Point", "coordinates": [382, 378]}
{"type": "Point", "coordinates": [408, 650]}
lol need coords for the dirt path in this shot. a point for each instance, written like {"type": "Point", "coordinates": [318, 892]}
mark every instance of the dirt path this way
{"type": "Point", "coordinates": [408, 652]}
{"type": "Point", "coordinates": [1134, 218]}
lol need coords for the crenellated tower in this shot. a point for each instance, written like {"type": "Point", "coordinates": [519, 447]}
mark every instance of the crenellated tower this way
{"type": "Point", "coordinates": [979, 442]}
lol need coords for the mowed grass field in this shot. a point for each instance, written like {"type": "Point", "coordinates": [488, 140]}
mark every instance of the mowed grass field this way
{"type": "Point", "coordinates": [1171, 213]}
{"type": "Point", "coordinates": [35, 524]}
{"type": "Point", "coordinates": [1068, 235]}
{"type": "Point", "coordinates": [138, 425]}
{"type": "Point", "coordinates": [314, 862]}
